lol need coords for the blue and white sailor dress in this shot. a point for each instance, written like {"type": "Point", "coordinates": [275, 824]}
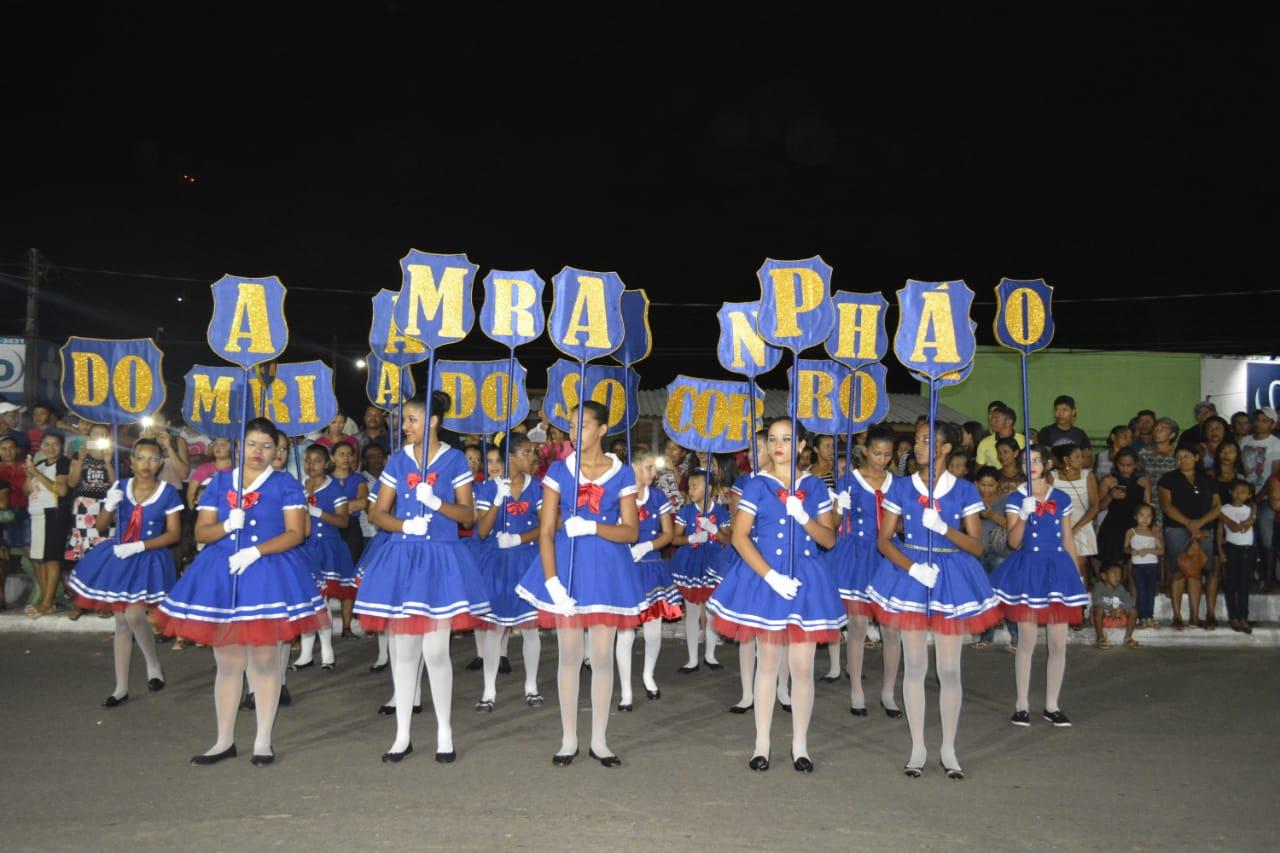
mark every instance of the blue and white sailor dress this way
{"type": "Point", "coordinates": [728, 556]}
{"type": "Point", "coordinates": [855, 557]}
{"type": "Point", "coordinates": [273, 600]}
{"type": "Point", "coordinates": [601, 578]}
{"type": "Point", "coordinates": [744, 607]}
{"type": "Point", "coordinates": [691, 567]}
{"type": "Point", "coordinates": [1039, 582]}
{"type": "Point", "coordinates": [417, 584]}
{"type": "Point", "coordinates": [326, 550]}
{"type": "Point", "coordinates": [502, 568]}
{"type": "Point", "coordinates": [961, 602]}
{"type": "Point", "coordinates": [483, 494]}
{"type": "Point", "coordinates": [103, 581]}
{"type": "Point", "coordinates": [662, 597]}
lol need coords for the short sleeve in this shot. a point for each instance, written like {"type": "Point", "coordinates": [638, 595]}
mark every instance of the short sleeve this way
{"type": "Point", "coordinates": [484, 494]}
{"type": "Point", "coordinates": [626, 481]}
{"type": "Point", "coordinates": [172, 501]}
{"type": "Point", "coordinates": [1062, 502]}
{"type": "Point", "coordinates": [897, 495]}
{"type": "Point", "coordinates": [549, 480]}
{"type": "Point", "coordinates": [972, 499]}
{"type": "Point", "coordinates": [210, 497]}
{"type": "Point", "coordinates": [752, 494]}
{"type": "Point", "coordinates": [459, 471]}
{"type": "Point", "coordinates": [292, 495]}
{"type": "Point", "coordinates": [817, 498]}
{"type": "Point", "coordinates": [390, 472]}
{"type": "Point", "coordinates": [666, 508]}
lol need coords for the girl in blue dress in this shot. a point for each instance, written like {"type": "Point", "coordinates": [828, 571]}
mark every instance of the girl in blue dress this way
{"type": "Point", "coordinates": [423, 583]}
{"type": "Point", "coordinates": [249, 592]}
{"type": "Point", "coordinates": [325, 551]}
{"type": "Point", "coordinates": [653, 514]}
{"type": "Point", "coordinates": [700, 530]}
{"type": "Point", "coordinates": [861, 496]}
{"type": "Point", "coordinates": [948, 595]}
{"type": "Point", "coordinates": [134, 569]}
{"type": "Point", "coordinates": [1039, 584]}
{"type": "Point", "coordinates": [599, 588]}
{"type": "Point", "coordinates": [781, 525]}
{"type": "Point", "coordinates": [355, 488]}
{"type": "Point", "coordinates": [507, 516]}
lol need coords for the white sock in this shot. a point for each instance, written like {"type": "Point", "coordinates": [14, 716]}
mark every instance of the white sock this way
{"type": "Point", "coordinates": [264, 669]}
{"type": "Point", "coordinates": [626, 641]}
{"type": "Point", "coordinates": [479, 635]}
{"type": "Point", "coordinates": [532, 650]}
{"type": "Point", "coordinates": [568, 682]}
{"type": "Point", "coordinates": [506, 639]}
{"type": "Point", "coordinates": [691, 631]}
{"type": "Point", "coordinates": [492, 643]}
{"type": "Point", "coordinates": [784, 679]}
{"type": "Point", "coordinates": [435, 651]}
{"type": "Point", "coordinates": [307, 652]}
{"type": "Point", "coordinates": [227, 685]}
{"type": "Point", "coordinates": [833, 651]}
{"type": "Point", "coordinates": [652, 646]}
{"type": "Point", "coordinates": [747, 653]}
{"type": "Point", "coordinates": [137, 618]}
{"type": "Point", "coordinates": [406, 652]}
{"type": "Point", "coordinates": [326, 645]}
{"type": "Point", "coordinates": [382, 650]}
{"type": "Point", "coordinates": [709, 650]}
{"type": "Point", "coordinates": [122, 645]}
{"type": "Point", "coordinates": [601, 685]}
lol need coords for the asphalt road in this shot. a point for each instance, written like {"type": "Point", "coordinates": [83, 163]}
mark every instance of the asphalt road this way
{"type": "Point", "coordinates": [1171, 749]}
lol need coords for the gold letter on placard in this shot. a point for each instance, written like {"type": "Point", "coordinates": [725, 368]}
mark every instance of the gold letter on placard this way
{"type": "Point", "coordinates": [798, 290]}
{"type": "Point", "coordinates": [588, 315]}
{"type": "Point", "coordinates": [514, 299]}
{"type": "Point", "coordinates": [427, 300]}
{"type": "Point", "coordinates": [251, 307]}
{"type": "Point", "coordinates": [936, 315]}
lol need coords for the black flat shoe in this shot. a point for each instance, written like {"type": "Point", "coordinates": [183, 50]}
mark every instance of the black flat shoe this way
{"type": "Point", "coordinates": [504, 665]}
{"type": "Point", "coordinates": [446, 757]}
{"type": "Point", "coordinates": [563, 760]}
{"type": "Point", "coordinates": [685, 670]}
{"type": "Point", "coordinates": [113, 702]}
{"type": "Point", "coordinates": [785, 707]}
{"type": "Point", "coordinates": [653, 694]}
{"type": "Point", "coordinates": [714, 667]}
{"type": "Point", "coordinates": [202, 760]}
{"type": "Point", "coordinates": [294, 667]}
{"type": "Point", "coordinates": [379, 667]}
{"type": "Point", "coordinates": [155, 685]}
{"type": "Point", "coordinates": [1058, 719]}
{"type": "Point", "coordinates": [625, 707]}
{"type": "Point", "coordinates": [802, 764]}
{"type": "Point", "coordinates": [607, 760]}
{"type": "Point", "coordinates": [828, 679]}
{"type": "Point", "coordinates": [248, 704]}
{"type": "Point", "coordinates": [396, 757]}
{"type": "Point", "coordinates": [386, 710]}
{"type": "Point", "coordinates": [485, 705]}
{"type": "Point", "coordinates": [891, 713]}
{"type": "Point", "coordinates": [912, 772]}
{"type": "Point", "coordinates": [328, 667]}
{"type": "Point", "coordinates": [262, 760]}
{"type": "Point", "coordinates": [476, 665]}
{"type": "Point", "coordinates": [956, 774]}
{"type": "Point", "coordinates": [1021, 718]}
{"type": "Point", "coordinates": [285, 698]}
{"type": "Point", "coordinates": [532, 699]}
{"type": "Point", "coordinates": [758, 763]}
{"type": "Point", "coordinates": [858, 712]}
{"type": "Point", "coordinates": [740, 709]}
{"type": "Point", "coordinates": [417, 709]}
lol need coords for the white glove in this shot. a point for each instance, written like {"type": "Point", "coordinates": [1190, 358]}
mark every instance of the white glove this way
{"type": "Point", "coordinates": [708, 525]}
{"type": "Point", "coordinates": [128, 549]}
{"type": "Point", "coordinates": [639, 549]}
{"type": "Point", "coordinates": [782, 585]}
{"type": "Point", "coordinates": [925, 573]}
{"type": "Point", "coordinates": [416, 526]}
{"type": "Point", "coordinates": [576, 525]}
{"type": "Point", "coordinates": [235, 521]}
{"type": "Point", "coordinates": [114, 496]}
{"type": "Point", "coordinates": [504, 490]}
{"type": "Point", "coordinates": [427, 497]}
{"type": "Point", "coordinates": [795, 509]}
{"type": "Point", "coordinates": [933, 521]}
{"type": "Point", "coordinates": [314, 510]}
{"type": "Point", "coordinates": [844, 501]}
{"type": "Point", "coordinates": [1028, 507]}
{"type": "Point", "coordinates": [243, 559]}
{"type": "Point", "coordinates": [508, 540]}
{"type": "Point", "coordinates": [699, 538]}
{"type": "Point", "coordinates": [560, 599]}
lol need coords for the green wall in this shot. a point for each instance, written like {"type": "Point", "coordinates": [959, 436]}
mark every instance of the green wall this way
{"type": "Point", "coordinates": [1109, 387]}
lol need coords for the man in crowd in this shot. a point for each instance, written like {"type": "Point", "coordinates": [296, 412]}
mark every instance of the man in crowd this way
{"type": "Point", "coordinates": [1002, 420]}
{"type": "Point", "coordinates": [1260, 453]}
{"type": "Point", "coordinates": [1063, 430]}
{"type": "Point", "coordinates": [1193, 437]}
{"type": "Point", "coordinates": [375, 430]}
{"type": "Point", "coordinates": [11, 426]}
{"type": "Point", "coordinates": [1143, 429]}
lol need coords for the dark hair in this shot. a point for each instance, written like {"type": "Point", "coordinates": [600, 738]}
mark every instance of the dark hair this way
{"type": "Point", "coordinates": [1045, 453]}
{"type": "Point", "coordinates": [945, 432]}
{"type": "Point", "coordinates": [959, 453]}
{"type": "Point", "coordinates": [440, 403]}
{"type": "Point", "coordinates": [921, 420]}
{"type": "Point", "coordinates": [517, 440]}
{"type": "Point", "coordinates": [987, 471]}
{"type": "Point", "coordinates": [880, 433]}
{"type": "Point", "coordinates": [477, 448]}
{"type": "Point", "coordinates": [1064, 400]}
{"type": "Point", "coordinates": [1246, 484]}
{"type": "Point", "coordinates": [319, 448]}
{"type": "Point", "coordinates": [1009, 413]}
{"type": "Point", "coordinates": [1139, 507]}
{"type": "Point", "coordinates": [265, 426]}
{"type": "Point", "coordinates": [975, 429]}
{"type": "Point", "coordinates": [375, 446]}
{"type": "Point", "coordinates": [1226, 427]}
{"type": "Point", "coordinates": [61, 442]}
{"type": "Point", "coordinates": [1127, 451]}
{"type": "Point", "coordinates": [1239, 415]}
{"type": "Point", "coordinates": [598, 412]}
{"type": "Point", "coordinates": [145, 442]}
{"type": "Point", "coordinates": [1062, 451]}
{"type": "Point", "coordinates": [1118, 428]}
{"type": "Point", "coordinates": [1142, 412]}
{"type": "Point", "coordinates": [996, 404]}
{"type": "Point", "coordinates": [1217, 458]}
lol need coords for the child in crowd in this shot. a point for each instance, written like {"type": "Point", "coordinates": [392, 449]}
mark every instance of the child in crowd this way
{"type": "Point", "coordinates": [1113, 604]}
{"type": "Point", "coordinates": [1236, 552]}
{"type": "Point", "coordinates": [1144, 543]}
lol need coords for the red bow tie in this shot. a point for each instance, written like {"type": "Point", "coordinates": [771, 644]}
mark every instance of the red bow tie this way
{"type": "Point", "coordinates": [250, 498]}
{"type": "Point", "coordinates": [879, 508]}
{"type": "Point", "coordinates": [642, 513]}
{"type": "Point", "coordinates": [517, 507]}
{"type": "Point", "coordinates": [414, 479]}
{"type": "Point", "coordinates": [311, 500]}
{"type": "Point", "coordinates": [589, 495]}
{"type": "Point", "coordinates": [133, 530]}
{"type": "Point", "coordinates": [924, 502]}
{"type": "Point", "coordinates": [1050, 507]}
{"type": "Point", "coordinates": [783, 494]}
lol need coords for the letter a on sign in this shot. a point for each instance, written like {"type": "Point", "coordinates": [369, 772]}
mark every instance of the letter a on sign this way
{"type": "Point", "coordinates": [586, 313]}
{"type": "Point", "coordinates": [934, 333]}
{"type": "Point", "coordinates": [248, 326]}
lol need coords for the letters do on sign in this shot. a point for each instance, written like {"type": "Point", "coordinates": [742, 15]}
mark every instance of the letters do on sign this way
{"type": "Point", "coordinates": [112, 382]}
{"type": "Point", "coordinates": [479, 393]}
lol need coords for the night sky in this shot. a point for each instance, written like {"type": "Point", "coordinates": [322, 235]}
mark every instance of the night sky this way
{"type": "Point", "coordinates": [1121, 152]}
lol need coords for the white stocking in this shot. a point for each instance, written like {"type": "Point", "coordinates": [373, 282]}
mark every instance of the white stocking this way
{"type": "Point", "coordinates": [626, 642]}
{"type": "Point", "coordinates": [406, 652]}
{"type": "Point", "coordinates": [833, 651]}
{"type": "Point", "coordinates": [435, 651]}
{"type": "Point", "coordinates": [284, 662]}
{"type": "Point", "coordinates": [491, 646]}
{"type": "Point", "coordinates": [915, 663]}
{"type": "Point", "coordinates": [136, 616]}
{"type": "Point", "coordinates": [691, 631]}
{"type": "Point", "coordinates": [602, 639]}
{"type": "Point", "coordinates": [800, 657]}
{"type": "Point", "coordinates": [747, 671]}
{"type": "Point", "coordinates": [709, 652]}
{"type": "Point", "coordinates": [1057, 666]}
{"type": "Point", "coordinates": [264, 675]}
{"type": "Point", "coordinates": [568, 676]}
{"type": "Point", "coordinates": [506, 638]}
{"type": "Point", "coordinates": [307, 652]}
{"type": "Point", "coordinates": [1028, 634]}
{"type": "Point", "coordinates": [326, 645]}
{"type": "Point", "coordinates": [479, 635]}
{"type": "Point", "coordinates": [891, 651]}
{"type": "Point", "coordinates": [122, 644]}
{"type": "Point", "coordinates": [231, 661]}
{"type": "Point", "coordinates": [532, 652]}
{"type": "Point", "coordinates": [383, 655]}
{"type": "Point", "coordinates": [857, 634]}
{"type": "Point", "coordinates": [768, 663]}
{"type": "Point", "coordinates": [946, 650]}
{"type": "Point", "coordinates": [784, 679]}
{"type": "Point", "coordinates": [652, 645]}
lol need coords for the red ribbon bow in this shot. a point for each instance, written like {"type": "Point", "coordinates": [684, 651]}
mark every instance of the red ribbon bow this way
{"type": "Point", "coordinates": [879, 509]}
{"type": "Point", "coordinates": [642, 513]}
{"type": "Point", "coordinates": [133, 531]}
{"type": "Point", "coordinates": [414, 479]}
{"type": "Point", "coordinates": [517, 507]}
{"type": "Point", "coordinates": [1050, 507]}
{"type": "Point", "coordinates": [311, 500]}
{"type": "Point", "coordinates": [250, 498]}
{"type": "Point", "coordinates": [589, 495]}
{"type": "Point", "coordinates": [783, 494]}
{"type": "Point", "coordinates": [924, 502]}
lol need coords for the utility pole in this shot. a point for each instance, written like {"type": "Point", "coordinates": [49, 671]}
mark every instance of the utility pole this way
{"type": "Point", "coordinates": [31, 378]}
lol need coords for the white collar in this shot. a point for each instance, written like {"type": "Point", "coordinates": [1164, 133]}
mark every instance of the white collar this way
{"type": "Point", "coordinates": [322, 486]}
{"type": "Point", "coordinates": [571, 462]}
{"type": "Point", "coordinates": [888, 481]}
{"type": "Point", "coordinates": [252, 487]}
{"type": "Point", "coordinates": [642, 496]}
{"type": "Point", "coordinates": [155, 496]}
{"type": "Point", "coordinates": [795, 487]}
{"type": "Point", "coordinates": [944, 485]}
{"type": "Point", "coordinates": [413, 457]}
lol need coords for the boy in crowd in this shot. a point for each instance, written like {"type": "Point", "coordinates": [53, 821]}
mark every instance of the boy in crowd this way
{"type": "Point", "coordinates": [1112, 601]}
{"type": "Point", "coordinates": [1063, 430]}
